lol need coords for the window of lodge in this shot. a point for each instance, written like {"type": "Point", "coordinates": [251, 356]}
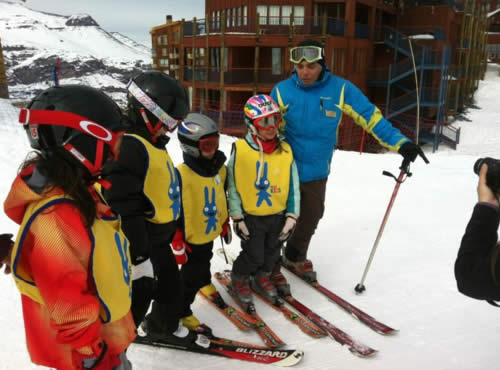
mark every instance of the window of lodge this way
{"type": "Point", "coordinates": [262, 11]}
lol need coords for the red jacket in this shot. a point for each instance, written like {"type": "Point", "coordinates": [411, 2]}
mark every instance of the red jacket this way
{"type": "Point", "coordinates": [56, 254]}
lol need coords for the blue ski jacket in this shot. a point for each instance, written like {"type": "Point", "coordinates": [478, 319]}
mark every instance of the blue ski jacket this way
{"type": "Point", "coordinates": [312, 116]}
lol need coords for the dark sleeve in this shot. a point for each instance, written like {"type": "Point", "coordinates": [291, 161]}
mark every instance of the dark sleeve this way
{"type": "Point", "coordinates": [473, 267]}
{"type": "Point", "coordinates": [180, 220]}
{"type": "Point", "coordinates": [126, 195]}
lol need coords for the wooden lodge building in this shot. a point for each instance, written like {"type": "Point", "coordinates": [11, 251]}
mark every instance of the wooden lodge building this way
{"type": "Point", "coordinates": [4, 92]}
{"type": "Point", "coordinates": [494, 31]}
{"type": "Point", "coordinates": [242, 48]}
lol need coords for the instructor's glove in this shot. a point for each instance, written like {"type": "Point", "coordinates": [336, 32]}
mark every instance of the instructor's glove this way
{"type": "Point", "coordinates": [6, 244]}
{"type": "Point", "coordinates": [410, 151]}
{"type": "Point", "coordinates": [226, 233]}
{"type": "Point", "coordinates": [143, 269]}
{"type": "Point", "coordinates": [95, 357]}
{"type": "Point", "coordinates": [179, 247]}
{"type": "Point", "coordinates": [288, 228]}
{"type": "Point", "coordinates": [240, 228]}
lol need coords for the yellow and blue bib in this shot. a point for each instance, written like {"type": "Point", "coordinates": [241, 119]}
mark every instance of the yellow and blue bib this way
{"type": "Point", "coordinates": [268, 194]}
{"type": "Point", "coordinates": [161, 186]}
{"type": "Point", "coordinates": [204, 204]}
{"type": "Point", "coordinates": [109, 263]}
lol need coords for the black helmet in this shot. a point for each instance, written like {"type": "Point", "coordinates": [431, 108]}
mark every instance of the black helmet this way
{"type": "Point", "coordinates": [73, 119]}
{"type": "Point", "coordinates": [195, 127]}
{"type": "Point", "coordinates": [156, 97]}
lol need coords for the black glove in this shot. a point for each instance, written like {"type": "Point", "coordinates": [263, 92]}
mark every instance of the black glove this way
{"type": "Point", "coordinates": [5, 245]}
{"type": "Point", "coordinates": [409, 151]}
{"type": "Point", "coordinates": [241, 229]}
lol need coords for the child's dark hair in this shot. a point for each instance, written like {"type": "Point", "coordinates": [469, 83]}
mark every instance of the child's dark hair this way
{"type": "Point", "coordinates": [73, 180]}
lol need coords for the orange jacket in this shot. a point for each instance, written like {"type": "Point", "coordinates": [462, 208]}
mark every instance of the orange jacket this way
{"type": "Point", "coordinates": [56, 254]}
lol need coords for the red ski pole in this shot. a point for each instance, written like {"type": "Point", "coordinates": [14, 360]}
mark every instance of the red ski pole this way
{"type": "Point", "coordinates": [360, 288]}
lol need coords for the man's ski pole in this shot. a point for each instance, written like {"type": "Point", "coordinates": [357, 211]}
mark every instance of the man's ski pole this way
{"type": "Point", "coordinates": [360, 288]}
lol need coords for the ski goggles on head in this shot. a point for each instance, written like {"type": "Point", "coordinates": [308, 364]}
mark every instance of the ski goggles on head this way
{"type": "Point", "coordinates": [311, 54]}
{"type": "Point", "coordinates": [32, 118]}
{"type": "Point", "coordinates": [209, 144]}
{"type": "Point", "coordinates": [267, 123]}
{"type": "Point", "coordinates": [169, 122]}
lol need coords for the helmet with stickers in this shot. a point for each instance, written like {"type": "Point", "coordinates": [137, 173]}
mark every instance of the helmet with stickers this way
{"type": "Point", "coordinates": [198, 132]}
{"type": "Point", "coordinates": [157, 100]}
{"type": "Point", "coordinates": [261, 112]}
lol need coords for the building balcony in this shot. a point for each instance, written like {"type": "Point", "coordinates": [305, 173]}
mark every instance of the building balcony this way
{"type": "Point", "coordinates": [268, 26]}
{"type": "Point", "coordinates": [457, 5]}
{"type": "Point", "coordinates": [242, 77]}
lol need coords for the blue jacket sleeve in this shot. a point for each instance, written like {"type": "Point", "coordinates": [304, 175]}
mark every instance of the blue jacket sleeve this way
{"type": "Point", "coordinates": [355, 104]}
{"type": "Point", "coordinates": [293, 202]}
{"type": "Point", "coordinates": [233, 198]}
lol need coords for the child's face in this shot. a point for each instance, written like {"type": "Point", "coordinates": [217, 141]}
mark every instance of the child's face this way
{"type": "Point", "coordinates": [208, 155]}
{"type": "Point", "coordinates": [268, 134]}
{"type": "Point", "coordinates": [208, 146]}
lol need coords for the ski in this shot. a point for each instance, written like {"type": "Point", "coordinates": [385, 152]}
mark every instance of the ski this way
{"type": "Point", "coordinates": [285, 357]}
{"type": "Point", "coordinates": [207, 331]}
{"type": "Point", "coordinates": [362, 316]}
{"type": "Point", "coordinates": [264, 331]}
{"type": "Point", "coordinates": [335, 333]}
{"type": "Point", "coordinates": [304, 324]}
{"type": "Point", "coordinates": [238, 318]}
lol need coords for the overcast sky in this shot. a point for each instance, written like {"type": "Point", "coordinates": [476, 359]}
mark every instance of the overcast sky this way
{"type": "Point", "coordinates": [130, 17]}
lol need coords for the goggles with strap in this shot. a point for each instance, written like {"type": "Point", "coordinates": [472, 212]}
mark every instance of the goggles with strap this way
{"type": "Point", "coordinates": [268, 122]}
{"type": "Point", "coordinates": [209, 144]}
{"type": "Point", "coordinates": [103, 135]}
{"type": "Point", "coordinates": [311, 54]}
{"type": "Point", "coordinates": [163, 117]}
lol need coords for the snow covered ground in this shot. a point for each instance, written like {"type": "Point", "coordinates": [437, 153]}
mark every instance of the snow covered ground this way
{"type": "Point", "coordinates": [410, 286]}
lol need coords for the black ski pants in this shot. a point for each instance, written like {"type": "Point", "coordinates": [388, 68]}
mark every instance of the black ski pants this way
{"type": "Point", "coordinates": [166, 290]}
{"type": "Point", "coordinates": [262, 251]}
{"type": "Point", "coordinates": [312, 208]}
{"type": "Point", "coordinates": [195, 273]}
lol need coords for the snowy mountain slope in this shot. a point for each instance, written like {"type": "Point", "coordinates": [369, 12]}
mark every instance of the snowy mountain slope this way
{"type": "Point", "coordinates": [410, 285]}
{"type": "Point", "coordinates": [33, 40]}
{"type": "Point", "coordinates": [132, 43]}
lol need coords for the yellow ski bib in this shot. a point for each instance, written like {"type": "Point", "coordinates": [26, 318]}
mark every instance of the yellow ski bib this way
{"type": "Point", "coordinates": [204, 204]}
{"type": "Point", "coordinates": [268, 194]}
{"type": "Point", "coordinates": [109, 264]}
{"type": "Point", "coordinates": [161, 186]}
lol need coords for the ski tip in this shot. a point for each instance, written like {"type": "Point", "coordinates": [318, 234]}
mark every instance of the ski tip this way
{"type": "Point", "coordinates": [388, 331]}
{"type": "Point", "coordinates": [363, 353]}
{"type": "Point", "coordinates": [291, 360]}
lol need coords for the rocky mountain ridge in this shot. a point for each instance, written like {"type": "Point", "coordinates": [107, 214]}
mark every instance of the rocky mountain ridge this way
{"type": "Point", "coordinates": [35, 42]}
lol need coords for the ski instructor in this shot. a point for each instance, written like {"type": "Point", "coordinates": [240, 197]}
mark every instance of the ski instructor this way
{"type": "Point", "coordinates": [312, 102]}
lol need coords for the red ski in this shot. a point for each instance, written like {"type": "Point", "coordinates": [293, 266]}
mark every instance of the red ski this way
{"type": "Point", "coordinates": [335, 333]}
{"type": "Point", "coordinates": [362, 316]}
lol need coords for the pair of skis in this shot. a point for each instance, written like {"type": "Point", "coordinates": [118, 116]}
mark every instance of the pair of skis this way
{"type": "Point", "coordinates": [335, 333]}
{"type": "Point", "coordinates": [362, 316]}
{"type": "Point", "coordinates": [311, 329]}
{"type": "Point", "coordinates": [231, 349]}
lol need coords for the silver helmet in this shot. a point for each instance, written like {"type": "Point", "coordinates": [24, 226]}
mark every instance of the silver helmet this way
{"type": "Point", "coordinates": [196, 126]}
